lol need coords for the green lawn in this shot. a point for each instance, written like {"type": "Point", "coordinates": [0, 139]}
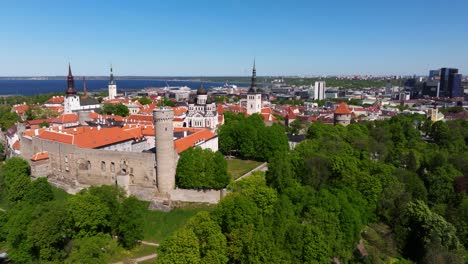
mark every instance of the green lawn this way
{"type": "Point", "coordinates": [159, 225]}
{"type": "Point", "coordinates": [238, 167]}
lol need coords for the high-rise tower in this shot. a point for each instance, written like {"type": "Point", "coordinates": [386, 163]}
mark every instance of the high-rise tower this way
{"type": "Point", "coordinates": [165, 152]}
{"type": "Point", "coordinates": [72, 100]}
{"type": "Point", "coordinates": [254, 98]}
{"type": "Point", "coordinates": [112, 86]}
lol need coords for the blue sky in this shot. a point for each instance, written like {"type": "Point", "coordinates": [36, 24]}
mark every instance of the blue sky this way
{"type": "Point", "coordinates": [209, 37]}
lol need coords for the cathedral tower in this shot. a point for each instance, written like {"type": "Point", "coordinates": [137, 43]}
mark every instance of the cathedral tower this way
{"type": "Point", "coordinates": [72, 100]}
{"type": "Point", "coordinates": [112, 86]}
{"type": "Point", "coordinates": [254, 98]}
{"type": "Point", "coordinates": [165, 152]}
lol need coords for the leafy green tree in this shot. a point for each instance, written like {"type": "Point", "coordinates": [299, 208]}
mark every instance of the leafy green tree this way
{"type": "Point", "coordinates": [440, 133]}
{"type": "Point", "coordinates": [234, 211]}
{"type": "Point", "coordinates": [39, 191]}
{"type": "Point", "coordinates": [202, 169]}
{"type": "Point", "coordinates": [440, 184]}
{"type": "Point", "coordinates": [316, 249]}
{"type": "Point", "coordinates": [111, 196]}
{"type": "Point", "coordinates": [19, 247]}
{"type": "Point", "coordinates": [2, 151]}
{"type": "Point", "coordinates": [212, 242]}
{"type": "Point", "coordinates": [421, 229]}
{"type": "Point", "coordinates": [130, 222]}
{"type": "Point", "coordinates": [181, 247]}
{"type": "Point", "coordinates": [8, 119]}
{"type": "Point", "coordinates": [89, 215]}
{"type": "Point", "coordinates": [96, 249]}
{"type": "Point", "coordinates": [144, 100]}
{"type": "Point", "coordinates": [116, 109]}
{"type": "Point", "coordinates": [49, 232]}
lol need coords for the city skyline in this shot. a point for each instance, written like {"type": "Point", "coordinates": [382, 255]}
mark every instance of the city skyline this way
{"type": "Point", "coordinates": [208, 38]}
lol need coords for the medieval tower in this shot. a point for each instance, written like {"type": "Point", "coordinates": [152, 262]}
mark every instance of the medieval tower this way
{"type": "Point", "coordinates": [342, 115]}
{"type": "Point", "coordinates": [72, 100]}
{"type": "Point", "coordinates": [112, 87]}
{"type": "Point", "coordinates": [254, 98]}
{"type": "Point", "coordinates": [165, 152]}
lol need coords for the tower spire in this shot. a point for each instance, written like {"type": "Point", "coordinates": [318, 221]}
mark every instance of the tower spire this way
{"type": "Point", "coordinates": [70, 82]}
{"type": "Point", "coordinates": [111, 79]}
{"type": "Point", "coordinates": [85, 90]}
{"type": "Point", "coordinates": [253, 83]}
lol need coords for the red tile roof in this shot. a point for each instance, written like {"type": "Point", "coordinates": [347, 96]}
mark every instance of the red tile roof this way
{"type": "Point", "coordinates": [342, 109]}
{"type": "Point", "coordinates": [192, 139]}
{"type": "Point", "coordinates": [92, 137]}
{"type": "Point", "coordinates": [65, 118]}
{"type": "Point", "coordinates": [40, 156]}
{"type": "Point", "coordinates": [56, 100]}
{"type": "Point", "coordinates": [16, 145]}
{"type": "Point", "coordinates": [20, 109]}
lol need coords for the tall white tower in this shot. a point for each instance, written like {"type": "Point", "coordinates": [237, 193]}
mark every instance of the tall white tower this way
{"type": "Point", "coordinates": [112, 86]}
{"type": "Point", "coordinates": [254, 98]}
{"type": "Point", "coordinates": [319, 91]}
{"type": "Point", "coordinates": [165, 152]}
{"type": "Point", "coordinates": [72, 100]}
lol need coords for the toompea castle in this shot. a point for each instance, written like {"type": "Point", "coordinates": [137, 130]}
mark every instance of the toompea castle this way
{"type": "Point", "coordinates": [139, 153]}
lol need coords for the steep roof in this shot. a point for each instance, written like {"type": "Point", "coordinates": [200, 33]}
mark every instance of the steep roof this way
{"type": "Point", "coordinates": [40, 156]}
{"type": "Point", "coordinates": [193, 139]}
{"type": "Point", "coordinates": [342, 109]}
{"type": "Point", "coordinates": [65, 118]}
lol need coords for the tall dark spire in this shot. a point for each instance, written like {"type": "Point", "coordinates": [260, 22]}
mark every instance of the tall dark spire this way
{"type": "Point", "coordinates": [253, 83]}
{"type": "Point", "coordinates": [111, 79]}
{"type": "Point", "coordinates": [85, 90]}
{"type": "Point", "coordinates": [70, 82]}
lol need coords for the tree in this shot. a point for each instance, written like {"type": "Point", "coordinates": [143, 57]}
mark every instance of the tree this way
{"type": "Point", "coordinates": [111, 196]}
{"type": "Point", "coordinates": [421, 229]}
{"type": "Point", "coordinates": [144, 100]}
{"type": "Point", "coordinates": [19, 247]}
{"type": "Point", "coordinates": [96, 249]}
{"type": "Point", "coordinates": [49, 232]}
{"type": "Point", "coordinates": [202, 169]}
{"type": "Point", "coordinates": [8, 119]}
{"type": "Point", "coordinates": [130, 222]}
{"type": "Point", "coordinates": [89, 215]}
{"type": "Point", "coordinates": [212, 242]}
{"type": "Point", "coordinates": [180, 248]}
{"type": "Point", "coordinates": [39, 191]}
{"type": "Point", "coordinates": [440, 133]}
{"type": "Point", "coordinates": [116, 109]}
{"type": "Point", "coordinates": [316, 249]}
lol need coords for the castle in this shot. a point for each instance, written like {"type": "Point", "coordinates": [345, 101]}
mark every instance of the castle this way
{"type": "Point", "coordinates": [141, 159]}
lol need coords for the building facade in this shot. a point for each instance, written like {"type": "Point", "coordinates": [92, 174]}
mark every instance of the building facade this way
{"type": "Point", "coordinates": [202, 112]}
{"type": "Point", "coordinates": [319, 91]}
{"type": "Point", "coordinates": [112, 87]}
{"type": "Point", "coordinates": [254, 98]}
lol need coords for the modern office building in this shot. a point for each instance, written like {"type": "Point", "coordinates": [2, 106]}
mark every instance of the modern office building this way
{"type": "Point", "coordinates": [319, 91]}
{"type": "Point", "coordinates": [450, 83]}
{"type": "Point", "coordinates": [446, 82]}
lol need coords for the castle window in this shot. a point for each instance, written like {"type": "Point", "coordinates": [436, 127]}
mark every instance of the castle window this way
{"type": "Point", "coordinates": [103, 166]}
{"type": "Point", "coordinates": [66, 158]}
{"type": "Point", "coordinates": [89, 165]}
{"type": "Point", "coordinates": [112, 167]}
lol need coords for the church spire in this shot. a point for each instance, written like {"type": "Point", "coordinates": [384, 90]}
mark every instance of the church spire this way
{"type": "Point", "coordinates": [111, 79]}
{"type": "Point", "coordinates": [85, 90]}
{"type": "Point", "coordinates": [253, 83]}
{"type": "Point", "coordinates": [70, 82]}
